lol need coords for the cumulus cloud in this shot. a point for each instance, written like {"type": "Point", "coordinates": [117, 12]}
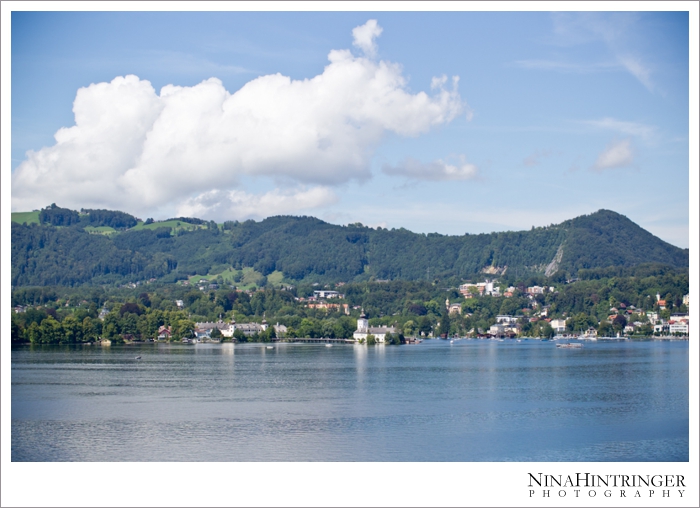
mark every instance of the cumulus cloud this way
{"type": "Point", "coordinates": [137, 150]}
{"type": "Point", "coordinates": [363, 37]}
{"type": "Point", "coordinates": [437, 170]}
{"type": "Point", "coordinates": [618, 154]}
{"type": "Point", "coordinates": [218, 204]}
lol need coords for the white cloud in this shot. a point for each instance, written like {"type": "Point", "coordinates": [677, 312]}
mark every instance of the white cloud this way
{"type": "Point", "coordinates": [558, 65]}
{"type": "Point", "coordinates": [136, 150]}
{"type": "Point", "coordinates": [221, 205]}
{"type": "Point", "coordinates": [618, 154]}
{"type": "Point", "coordinates": [437, 170]}
{"type": "Point", "coordinates": [363, 37]}
{"type": "Point", "coordinates": [636, 67]}
{"type": "Point", "coordinates": [619, 31]}
{"type": "Point", "coordinates": [628, 128]}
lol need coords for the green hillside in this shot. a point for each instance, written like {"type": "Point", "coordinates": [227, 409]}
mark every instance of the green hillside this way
{"type": "Point", "coordinates": [287, 248]}
{"type": "Point", "coordinates": [28, 217]}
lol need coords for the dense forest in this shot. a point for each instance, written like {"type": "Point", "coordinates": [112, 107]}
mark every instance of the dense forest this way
{"type": "Point", "coordinates": [70, 248]}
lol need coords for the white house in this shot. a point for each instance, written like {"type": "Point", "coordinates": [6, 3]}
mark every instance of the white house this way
{"type": "Point", "coordinates": [680, 327]}
{"type": "Point", "coordinates": [535, 290]}
{"type": "Point", "coordinates": [661, 327]}
{"type": "Point", "coordinates": [249, 329]}
{"type": "Point", "coordinates": [497, 330]}
{"type": "Point", "coordinates": [202, 330]}
{"type": "Point", "coordinates": [558, 325]}
{"type": "Point", "coordinates": [483, 288]}
{"type": "Point", "coordinates": [280, 330]}
{"type": "Point", "coordinates": [321, 293]}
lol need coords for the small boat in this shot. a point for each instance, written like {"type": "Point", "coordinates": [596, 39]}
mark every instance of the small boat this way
{"type": "Point", "coordinates": [329, 345]}
{"type": "Point", "coordinates": [570, 345]}
{"type": "Point", "coordinates": [269, 347]}
{"type": "Point", "coordinates": [137, 358]}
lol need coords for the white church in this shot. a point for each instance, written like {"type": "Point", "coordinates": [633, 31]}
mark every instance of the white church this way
{"type": "Point", "coordinates": [363, 330]}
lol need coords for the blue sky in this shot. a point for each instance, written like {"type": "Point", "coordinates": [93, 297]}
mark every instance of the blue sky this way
{"type": "Point", "coordinates": [553, 115]}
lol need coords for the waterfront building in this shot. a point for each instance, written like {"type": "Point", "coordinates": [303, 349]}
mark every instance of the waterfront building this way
{"type": "Point", "coordinates": [249, 329]}
{"type": "Point", "coordinates": [363, 330]}
{"type": "Point", "coordinates": [203, 330]}
{"type": "Point", "coordinates": [558, 325]}
{"type": "Point", "coordinates": [165, 332]}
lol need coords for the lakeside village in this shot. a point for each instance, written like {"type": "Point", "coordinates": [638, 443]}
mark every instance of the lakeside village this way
{"type": "Point", "coordinates": [630, 321]}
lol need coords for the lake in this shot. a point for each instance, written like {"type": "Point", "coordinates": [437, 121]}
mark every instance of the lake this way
{"type": "Point", "coordinates": [473, 400]}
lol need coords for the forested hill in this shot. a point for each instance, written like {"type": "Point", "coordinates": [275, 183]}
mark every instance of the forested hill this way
{"type": "Point", "coordinates": [63, 247]}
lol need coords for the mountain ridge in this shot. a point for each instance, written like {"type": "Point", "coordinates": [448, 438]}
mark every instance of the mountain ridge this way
{"type": "Point", "coordinates": [307, 248]}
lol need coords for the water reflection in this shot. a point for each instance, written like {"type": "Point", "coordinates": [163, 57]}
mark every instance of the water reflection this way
{"type": "Point", "coordinates": [472, 401]}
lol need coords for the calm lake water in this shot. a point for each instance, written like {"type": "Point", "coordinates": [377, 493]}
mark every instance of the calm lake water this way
{"type": "Point", "coordinates": [468, 401]}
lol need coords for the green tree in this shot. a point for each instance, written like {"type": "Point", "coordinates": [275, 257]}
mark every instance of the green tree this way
{"type": "Point", "coordinates": [72, 330]}
{"type": "Point", "coordinates": [371, 340]}
{"type": "Point", "coordinates": [51, 331]}
{"type": "Point", "coordinates": [34, 333]}
{"type": "Point", "coordinates": [410, 328]}
{"type": "Point", "coordinates": [89, 329]}
{"type": "Point", "coordinates": [605, 329]}
{"type": "Point", "coordinates": [184, 328]}
{"type": "Point", "coordinates": [239, 335]}
{"type": "Point", "coordinates": [444, 328]}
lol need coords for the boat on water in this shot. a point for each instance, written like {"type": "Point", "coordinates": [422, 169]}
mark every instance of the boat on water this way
{"type": "Point", "coordinates": [329, 345]}
{"type": "Point", "coordinates": [269, 347]}
{"type": "Point", "coordinates": [570, 345]}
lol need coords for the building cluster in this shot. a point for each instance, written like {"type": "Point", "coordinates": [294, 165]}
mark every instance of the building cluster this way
{"type": "Point", "coordinates": [489, 288]}
{"type": "Point", "coordinates": [203, 331]}
{"type": "Point", "coordinates": [678, 324]}
{"type": "Point", "coordinates": [479, 289]}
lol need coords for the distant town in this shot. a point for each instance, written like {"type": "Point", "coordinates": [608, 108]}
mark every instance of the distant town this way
{"type": "Point", "coordinates": [328, 315]}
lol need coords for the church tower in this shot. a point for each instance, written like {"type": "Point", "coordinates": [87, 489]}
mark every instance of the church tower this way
{"type": "Point", "coordinates": [362, 323]}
